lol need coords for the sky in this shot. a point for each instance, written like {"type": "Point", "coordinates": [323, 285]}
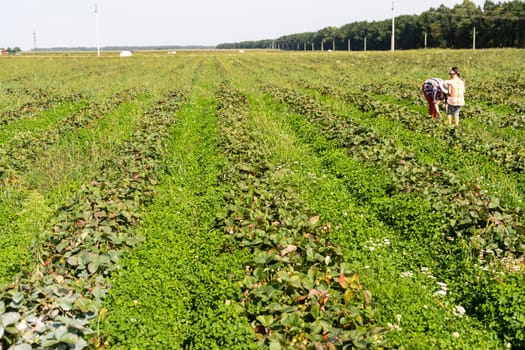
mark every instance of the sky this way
{"type": "Point", "coordinates": [74, 23]}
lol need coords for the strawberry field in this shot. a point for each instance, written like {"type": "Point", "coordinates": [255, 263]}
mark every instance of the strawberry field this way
{"type": "Point", "coordinates": [217, 200]}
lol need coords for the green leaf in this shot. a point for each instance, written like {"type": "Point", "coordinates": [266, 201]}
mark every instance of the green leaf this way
{"type": "Point", "coordinates": [275, 345]}
{"type": "Point", "coordinates": [494, 203]}
{"type": "Point", "coordinates": [20, 346]}
{"type": "Point", "coordinates": [17, 298]}
{"type": "Point", "coordinates": [73, 322]}
{"type": "Point", "coordinates": [72, 260]}
{"type": "Point", "coordinates": [69, 338]}
{"type": "Point", "coordinates": [315, 310]}
{"type": "Point", "coordinates": [266, 320]}
{"type": "Point", "coordinates": [98, 292]}
{"type": "Point", "coordinates": [9, 318]}
{"type": "Point", "coordinates": [85, 305]}
{"type": "Point", "coordinates": [295, 281]}
{"type": "Point", "coordinates": [93, 267]}
{"type": "Point", "coordinates": [292, 321]}
{"type": "Point", "coordinates": [65, 304]}
{"type": "Point", "coordinates": [60, 331]}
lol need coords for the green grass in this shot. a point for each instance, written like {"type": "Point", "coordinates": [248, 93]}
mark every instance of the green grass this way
{"type": "Point", "coordinates": [179, 289]}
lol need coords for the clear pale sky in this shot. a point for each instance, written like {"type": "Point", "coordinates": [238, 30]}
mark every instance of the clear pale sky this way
{"type": "Point", "coordinates": [73, 23]}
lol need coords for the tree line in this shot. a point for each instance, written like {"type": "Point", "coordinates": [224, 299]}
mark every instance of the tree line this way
{"type": "Point", "coordinates": [463, 26]}
{"type": "Point", "coordinates": [10, 51]}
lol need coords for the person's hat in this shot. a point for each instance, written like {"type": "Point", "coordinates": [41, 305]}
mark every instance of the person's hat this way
{"type": "Point", "coordinates": [443, 86]}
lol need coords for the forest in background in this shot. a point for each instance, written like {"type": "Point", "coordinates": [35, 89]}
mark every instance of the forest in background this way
{"type": "Point", "coordinates": [463, 26]}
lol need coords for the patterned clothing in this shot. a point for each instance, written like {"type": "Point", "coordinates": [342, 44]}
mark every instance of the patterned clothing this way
{"type": "Point", "coordinates": [456, 92]}
{"type": "Point", "coordinates": [432, 91]}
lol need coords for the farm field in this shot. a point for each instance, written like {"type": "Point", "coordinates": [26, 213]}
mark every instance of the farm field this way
{"type": "Point", "coordinates": [219, 200]}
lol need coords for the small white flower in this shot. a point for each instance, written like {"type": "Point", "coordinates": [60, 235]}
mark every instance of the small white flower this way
{"type": "Point", "coordinates": [442, 285]}
{"type": "Point", "coordinates": [393, 327]}
{"type": "Point", "coordinates": [459, 311]}
{"type": "Point", "coordinates": [440, 292]}
{"type": "Point", "coordinates": [455, 335]}
{"type": "Point", "coordinates": [406, 274]}
{"type": "Point", "coordinates": [22, 326]}
{"type": "Point", "coordinates": [327, 260]}
{"type": "Point", "coordinates": [424, 269]}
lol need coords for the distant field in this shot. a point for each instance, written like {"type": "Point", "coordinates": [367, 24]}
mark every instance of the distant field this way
{"type": "Point", "coordinates": [265, 199]}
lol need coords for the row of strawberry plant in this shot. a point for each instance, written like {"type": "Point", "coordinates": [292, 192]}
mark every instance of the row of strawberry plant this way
{"type": "Point", "coordinates": [40, 101]}
{"type": "Point", "coordinates": [298, 290]}
{"type": "Point", "coordinates": [59, 302]}
{"type": "Point", "coordinates": [21, 151]}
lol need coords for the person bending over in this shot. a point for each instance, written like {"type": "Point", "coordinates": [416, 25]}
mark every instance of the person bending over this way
{"type": "Point", "coordinates": [434, 91]}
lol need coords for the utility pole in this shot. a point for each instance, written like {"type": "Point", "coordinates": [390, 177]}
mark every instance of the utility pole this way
{"type": "Point", "coordinates": [474, 39]}
{"type": "Point", "coordinates": [393, 42]}
{"type": "Point", "coordinates": [96, 23]}
{"type": "Point", "coordinates": [34, 39]}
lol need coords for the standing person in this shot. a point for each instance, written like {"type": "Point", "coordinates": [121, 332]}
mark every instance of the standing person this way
{"type": "Point", "coordinates": [434, 91]}
{"type": "Point", "coordinates": [456, 95]}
